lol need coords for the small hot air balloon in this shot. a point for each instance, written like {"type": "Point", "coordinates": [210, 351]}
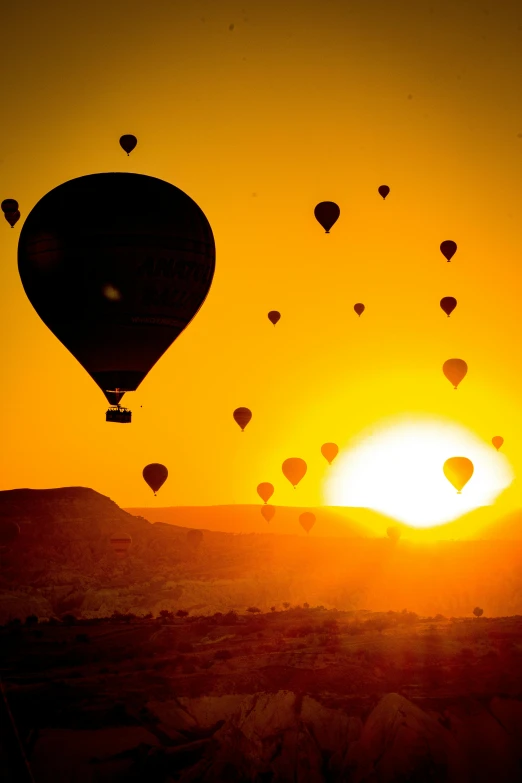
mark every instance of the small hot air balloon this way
{"type": "Point", "coordinates": [394, 533]}
{"type": "Point", "coordinates": [128, 142]}
{"type": "Point", "coordinates": [329, 451]}
{"type": "Point", "coordinates": [9, 532]}
{"type": "Point", "coordinates": [9, 205]}
{"type": "Point", "coordinates": [307, 521]}
{"type": "Point", "coordinates": [383, 190]}
{"type": "Point", "coordinates": [327, 213]}
{"type": "Point", "coordinates": [455, 370]}
{"type": "Point", "coordinates": [155, 476]}
{"type": "Point", "coordinates": [195, 538]}
{"type": "Point", "coordinates": [448, 304]}
{"type": "Point", "coordinates": [448, 248]}
{"type": "Point", "coordinates": [274, 316]}
{"type": "Point", "coordinates": [497, 441]}
{"type": "Point", "coordinates": [12, 218]}
{"type": "Point", "coordinates": [265, 491]}
{"type": "Point", "coordinates": [120, 543]}
{"type": "Point", "coordinates": [294, 469]}
{"type": "Point", "coordinates": [458, 471]}
{"type": "Point", "coordinates": [359, 308]}
{"type": "Point", "coordinates": [268, 512]}
{"type": "Point", "coordinates": [242, 416]}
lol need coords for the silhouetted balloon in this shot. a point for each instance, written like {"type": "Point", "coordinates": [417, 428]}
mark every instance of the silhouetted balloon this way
{"type": "Point", "coordinates": [242, 416]}
{"type": "Point", "coordinates": [268, 512]}
{"type": "Point", "coordinates": [9, 205]}
{"type": "Point", "coordinates": [12, 218]}
{"type": "Point", "coordinates": [497, 441]}
{"type": "Point", "coordinates": [155, 475]}
{"type": "Point", "coordinates": [327, 213]}
{"type": "Point", "coordinates": [120, 543]}
{"type": "Point", "coordinates": [384, 190]}
{"type": "Point", "coordinates": [458, 471]}
{"type": "Point", "coordinates": [9, 532]}
{"type": "Point", "coordinates": [114, 397]}
{"type": "Point", "coordinates": [455, 370]}
{"type": "Point", "coordinates": [330, 451]}
{"type": "Point", "coordinates": [265, 491]}
{"type": "Point", "coordinates": [294, 469]}
{"type": "Point", "coordinates": [128, 142]}
{"type": "Point", "coordinates": [448, 248]}
{"type": "Point", "coordinates": [359, 308]}
{"type": "Point", "coordinates": [195, 538]}
{"type": "Point", "coordinates": [394, 533]}
{"type": "Point", "coordinates": [448, 304]}
{"type": "Point", "coordinates": [274, 316]}
{"type": "Point", "coordinates": [118, 284]}
{"type": "Point", "coordinates": [307, 521]}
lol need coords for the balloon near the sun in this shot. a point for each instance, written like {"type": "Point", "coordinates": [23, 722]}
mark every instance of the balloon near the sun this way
{"type": "Point", "coordinates": [397, 471]}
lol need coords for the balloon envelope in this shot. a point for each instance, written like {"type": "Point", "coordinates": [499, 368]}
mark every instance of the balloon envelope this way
{"type": "Point", "coordinates": [359, 308]}
{"type": "Point", "coordinates": [120, 543]}
{"type": "Point", "coordinates": [242, 416]}
{"type": "Point", "coordinates": [12, 218]}
{"type": "Point", "coordinates": [274, 316]}
{"type": "Point", "coordinates": [458, 471]}
{"type": "Point", "coordinates": [265, 491]}
{"type": "Point", "coordinates": [155, 475]}
{"type": "Point", "coordinates": [329, 451]}
{"type": "Point", "coordinates": [384, 190]}
{"type": "Point", "coordinates": [128, 142]}
{"type": "Point", "coordinates": [116, 285]}
{"type": "Point", "coordinates": [497, 441]}
{"type": "Point", "coordinates": [455, 370]}
{"type": "Point", "coordinates": [307, 521]}
{"type": "Point", "coordinates": [9, 205]}
{"type": "Point", "coordinates": [9, 532]}
{"type": "Point", "coordinates": [326, 213]}
{"type": "Point", "coordinates": [268, 512]}
{"type": "Point", "coordinates": [294, 469]}
{"type": "Point", "coordinates": [448, 248]}
{"type": "Point", "coordinates": [448, 304]}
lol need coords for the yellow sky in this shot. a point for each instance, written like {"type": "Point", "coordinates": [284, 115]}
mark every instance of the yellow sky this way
{"type": "Point", "coordinates": [297, 104]}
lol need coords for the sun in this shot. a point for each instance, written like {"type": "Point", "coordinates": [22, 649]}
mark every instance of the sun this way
{"type": "Point", "coordinates": [397, 470]}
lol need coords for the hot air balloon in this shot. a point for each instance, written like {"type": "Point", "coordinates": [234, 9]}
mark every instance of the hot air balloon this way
{"type": "Point", "coordinates": [12, 218]}
{"type": "Point", "coordinates": [120, 543]}
{"type": "Point", "coordinates": [497, 441]}
{"type": "Point", "coordinates": [128, 142]}
{"type": "Point", "coordinates": [329, 451]}
{"type": "Point", "coordinates": [155, 476]}
{"type": "Point", "coordinates": [394, 533]}
{"type": "Point", "coordinates": [9, 205]}
{"type": "Point", "coordinates": [448, 304]}
{"type": "Point", "coordinates": [268, 512]}
{"type": "Point", "coordinates": [9, 532]}
{"type": "Point", "coordinates": [242, 416]}
{"type": "Point", "coordinates": [118, 284]}
{"type": "Point", "coordinates": [294, 469]}
{"type": "Point", "coordinates": [383, 190]}
{"type": "Point", "coordinates": [274, 316]}
{"type": "Point", "coordinates": [195, 538]}
{"type": "Point", "coordinates": [307, 521]}
{"type": "Point", "coordinates": [265, 491]}
{"type": "Point", "coordinates": [326, 213]}
{"type": "Point", "coordinates": [359, 308]}
{"type": "Point", "coordinates": [448, 248]}
{"type": "Point", "coordinates": [455, 370]}
{"type": "Point", "coordinates": [458, 471]}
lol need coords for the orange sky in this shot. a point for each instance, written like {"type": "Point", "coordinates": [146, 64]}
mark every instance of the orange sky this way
{"type": "Point", "coordinates": [297, 104]}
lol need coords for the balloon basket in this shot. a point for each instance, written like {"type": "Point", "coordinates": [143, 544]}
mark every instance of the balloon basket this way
{"type": "Point", "coordinates": [119, 415]}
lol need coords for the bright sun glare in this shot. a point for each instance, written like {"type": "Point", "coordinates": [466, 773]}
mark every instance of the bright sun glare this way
{"type": "Point", "coordinates": [397, 470]}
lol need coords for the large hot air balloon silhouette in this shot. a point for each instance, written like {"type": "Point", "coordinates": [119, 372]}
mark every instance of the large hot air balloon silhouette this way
{"type": "Point", "coordinates": [307, 520]}
{"type": "Point", "coordinates": [265, 490]}
{"type": "Point", "coordinates": [448, 304]}
{"type": "Point", "coordinates": [116, 265]}
{"type": "Point", "coordinates": [267, 512]}
{"type": "Point", "coordinates": [274, 316]}
{"type": "Point", "coordinates": [326, 213]}
{"type": "Point", "coordinates": [294, 469]}
{"type": "Point", "coordinates": [458, 471]}
{"type": "Point", "coordinates": [120, 543]}
{"type": "Point", "coordinates": [497, 441]}
{"type": "Point", "coordinates": [242, 416]}
{"type": "Point", "coordinates": [383, 190]}
{"type": "Point", "coordinates": [455, 370]}
{"type": "Point", "coordinates": [359, 308]}
{"type": "Point", "coordinates": [155, 476]}
{"type": "Point", "coordinates": [9, 532]}
{"type": "Point", "coordinates": [448, 248]}
{"type": "Point", "coordinates": [128, 142]}
{"type": "Point", "coordinates": [329, 451]}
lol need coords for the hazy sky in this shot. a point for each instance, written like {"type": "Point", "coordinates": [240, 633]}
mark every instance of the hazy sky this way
{"type": "Point", "coordinates": [296, 104]}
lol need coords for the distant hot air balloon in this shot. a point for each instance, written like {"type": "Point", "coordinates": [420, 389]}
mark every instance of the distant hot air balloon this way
{"type": "Point", "coordinates": [329, 451]}
{"type": "Point", "coordinates": [116, 285]}
{"type": "Point", "coordinates": [359, 308]}
{"type": "Point", "coordinates": [242, 416]}
{"type": "Point", "coordinates": [448, 304]}
{"type": "Point", "coordinates": [155, 476]}
{"type": "Point", "coordinates": [195, 538]}
{"type": "Point", "coordinates": [394, 533]}
{"type": "Point", "coordinates": [268, 512]}
{"type": "Point", "coordinates": [9, 205]}
{"type": "Point", "coordinates": [448, 248]}
{"type": "Point", "coordinates": [383, 190]}
{"type": "Point", "coordinates": [458, 471]}
{"type": "Point", "coordinates": [128, 142]}
{"type": "Point", "coordinates": [9, 532]}
{"type": "Point", "coordinates": [12, 218]}
{"type": "Point", "coordinates": [327, 213]}
{"type": "Point", "coordinates": [274, 316]}
{"type": "Point", "coordinates": [120, 543]}
{"type": "Point", "coordinates": [307, 521]}
{"type": "Point", "coordinates": [265, 491]}
{"type": "Point", "coordinates": [455, 370]}
{"type": "Point", "coordinates": [294, 469]}
{"type": "Point", "coordinates": [497, 441]}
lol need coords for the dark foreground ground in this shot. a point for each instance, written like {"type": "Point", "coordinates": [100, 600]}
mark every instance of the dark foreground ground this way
{"type": "Point", "coordinates": [304, 695]}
